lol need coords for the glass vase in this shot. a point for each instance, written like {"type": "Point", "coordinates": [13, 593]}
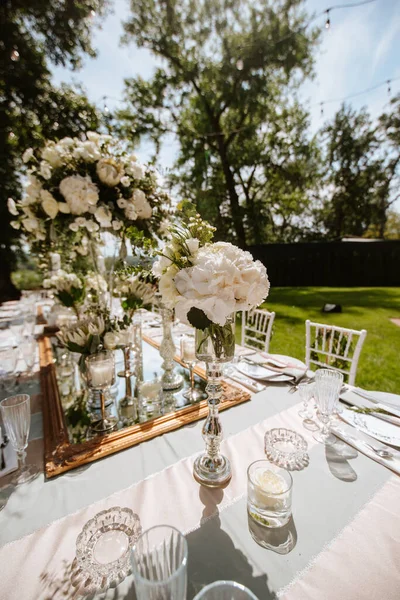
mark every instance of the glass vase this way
{"type": "Point", "coordinates": [215, 346]}
{"type": "Point", "coordinates": [171, 380]}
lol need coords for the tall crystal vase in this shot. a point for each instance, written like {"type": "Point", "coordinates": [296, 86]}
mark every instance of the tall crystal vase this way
{"type": "Point", "coordinates": [171, 380]}
{"type": "Point", "coordinates": [215, 345]}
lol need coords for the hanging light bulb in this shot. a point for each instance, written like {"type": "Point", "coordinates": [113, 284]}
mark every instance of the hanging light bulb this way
{"type": "Point", "coordinates": [239, 65]}
{"type": "Point", "coordinates": [328, 21]}
{"type": "Point", "coordinates": [322, 109]}
{"type": "Point", "coordinates": [106, 109]}
{"type": "Point", "coordinates": [14, 55]}
{"type": "Point", "coordinates": [389, 89]}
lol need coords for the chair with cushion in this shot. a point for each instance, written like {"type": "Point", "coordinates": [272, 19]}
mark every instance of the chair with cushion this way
{"type": "Point", "coordinates": [338, 348]}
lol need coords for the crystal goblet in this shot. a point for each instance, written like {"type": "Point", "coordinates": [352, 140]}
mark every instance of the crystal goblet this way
{"type": "Point", "coordinates": [101, 376]}
{"type": "Point", "coordinates": [328, 384]}
{"type": "Point", "coordinates": [307, 391]}
{"type": "Point", "coordinates": [16, 415]}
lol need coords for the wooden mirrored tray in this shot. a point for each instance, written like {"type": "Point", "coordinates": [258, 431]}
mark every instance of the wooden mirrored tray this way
{"type": "Point", "coordinates": [68, 439]}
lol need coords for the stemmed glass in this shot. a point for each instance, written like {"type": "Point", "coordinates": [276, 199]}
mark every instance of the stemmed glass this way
{"type": "Point", "coordinates": [225, 590]}
{"type": "Point", "coordinates": [8, 365]}
{"type": "Point", "coordinates": [328, 384]}
{"type": "Point", "coordinates": [159, 559]}
{"type": "Point", "coordinates": [307, 392]}
{"type": "Point", "coordinates": [101, 376]}
{"type": "Point", "coordinates": [188, 356]}
{"type": "Point", "coordinates": [28, 351]}
{"type": "Point", "coordinates": [16, 415]}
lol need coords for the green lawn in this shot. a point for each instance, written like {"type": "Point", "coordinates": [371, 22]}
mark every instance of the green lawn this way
{"type": "Point", "coordinates": [363, 308]}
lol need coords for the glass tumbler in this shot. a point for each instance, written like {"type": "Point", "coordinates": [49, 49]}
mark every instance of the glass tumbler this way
{"type": "Point", "coordinates": [225, 590]}
{"type": "Point", "coordinates": [269, 493]}
{"type": "Point", "coordinates": [159, 559]}
{"type": "Point", "coordinates": [16, 415]}
{"type": "Point", "coordinates": [328, 384]}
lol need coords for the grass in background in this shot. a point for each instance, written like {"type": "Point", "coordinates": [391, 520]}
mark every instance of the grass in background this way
{"type": "Point", "coordinates": [363, 308]}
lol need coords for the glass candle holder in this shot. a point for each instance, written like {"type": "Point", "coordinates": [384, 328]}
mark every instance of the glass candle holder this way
{"type": "Point", "coordinates": [269, 494]}
{"type": "Point", "coordinates": [188, 356]}
{"type": "Point", "coordinates": [150, 399]}
{"type": "Point", "coordinates": [101, 376]}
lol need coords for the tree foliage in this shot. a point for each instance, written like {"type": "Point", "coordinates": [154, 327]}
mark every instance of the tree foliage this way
{"type": "Point", "coordinates": [31, 108]}
{"type": "Point", "coordinates": [230, 67]}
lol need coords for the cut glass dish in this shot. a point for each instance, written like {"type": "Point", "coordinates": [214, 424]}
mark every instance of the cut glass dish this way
{"type": "Point", "coordinates": [286, 448]}
{"type": "Point", "coordinates": [103, 550]}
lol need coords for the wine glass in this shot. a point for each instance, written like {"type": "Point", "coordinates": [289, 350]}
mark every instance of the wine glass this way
{"type": "Point", "coordinates": [307, 393]}
{"type": "Point", "coordinates": [328, 384]}
{"type": "Point", "coordinates": [8, 365]}
{"type": "Point", "coordinates": [16, 415]}
{"type": "Point", "coordinates": [188, 356]}
{"type": "Point", "coordinates": [28, 351]}
{"type": "Point", "coordinates": [101, 376]}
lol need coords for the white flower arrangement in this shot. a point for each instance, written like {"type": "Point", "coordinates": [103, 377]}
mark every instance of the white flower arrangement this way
{"type": "Point", "coordinates": [207, 280]}
{"type": "Point", "coordinates": [63, 282]}
{"type": "Point", "coordinates": [85, 337]}
{"type": "Point", "coordinates": [88, 184]}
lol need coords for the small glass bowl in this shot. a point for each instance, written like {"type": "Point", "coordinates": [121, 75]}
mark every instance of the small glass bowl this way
{"type": "Point", "coordinates": [103, 549]}
{"type": "Point", "coordinates": [286, 448]}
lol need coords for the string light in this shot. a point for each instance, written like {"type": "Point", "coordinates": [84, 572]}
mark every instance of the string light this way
{"type": "Point", "coordinates": [389, 89]}
{"type": "Point", "coordinates": [328, 20]}
{"type": "Point", "coordinates": [14, 55]}
{"type": "Point", "coordinates": [322, 109]}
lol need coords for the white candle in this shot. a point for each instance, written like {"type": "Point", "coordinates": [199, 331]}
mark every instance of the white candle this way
{"type": "Point", "coordinates": [101, 373]}
{"type": "Point", "coordinates": [268, 484]}
{"type": "Point", "coordinates": [188, 353]}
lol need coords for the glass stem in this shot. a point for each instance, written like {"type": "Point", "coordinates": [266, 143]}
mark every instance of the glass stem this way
{"type": "Point", "coordinates": [325, 426]}
{"type": "Point", "coordinates": [21, 456]}
{"type": "Point", "coordinates": [191, 376]}
{"type": "Point", "coordinates": [103, 404]}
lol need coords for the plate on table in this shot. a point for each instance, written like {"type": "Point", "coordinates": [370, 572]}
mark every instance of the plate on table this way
{"type": "Point", "coordinates": [377, 428]}
{"type": "Point", "coordinates": [380, 397]}
{"type": "Point", "coordinates": [261, 373]}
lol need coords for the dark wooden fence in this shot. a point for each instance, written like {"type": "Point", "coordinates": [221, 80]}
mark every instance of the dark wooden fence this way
{"type": "Point", "coordinates": [338, 264]}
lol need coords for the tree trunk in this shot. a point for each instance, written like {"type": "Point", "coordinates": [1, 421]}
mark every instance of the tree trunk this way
{"type": "Point", "coordinates": [233, 197]}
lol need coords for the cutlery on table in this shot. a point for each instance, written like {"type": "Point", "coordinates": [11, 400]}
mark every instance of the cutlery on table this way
{"type": "Point", "coordinates": [382, 452]}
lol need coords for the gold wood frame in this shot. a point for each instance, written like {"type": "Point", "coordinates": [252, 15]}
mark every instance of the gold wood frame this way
{"type": "Point", "coordinates": [60, 455]}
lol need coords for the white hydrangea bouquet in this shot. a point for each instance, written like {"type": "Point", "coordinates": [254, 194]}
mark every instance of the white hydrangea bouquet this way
{"type": "Point", "coordinates": [206, 282]}
{"type": "Point", "coordinates": [76, 187]}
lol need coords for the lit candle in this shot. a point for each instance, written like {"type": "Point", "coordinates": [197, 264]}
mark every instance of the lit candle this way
{"type": "Point", "coordinates": [188, 353]}
{"type": "Point", "coordinates": [101, 373]}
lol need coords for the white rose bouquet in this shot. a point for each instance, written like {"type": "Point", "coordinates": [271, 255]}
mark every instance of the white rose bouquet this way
{"type": "Point", "coordinates": [78, 187]}
{"type": "Point", "coordinates": [206, 282]}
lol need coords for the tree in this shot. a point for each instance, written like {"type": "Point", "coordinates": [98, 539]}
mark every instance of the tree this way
{"type": "Point", "coordinates": [389, 127]}
{"type": "Point", "coordinates": [31, 109]}
{"type": "Point", "coordinates": [355, 189]}
{"type": "Point", "coordinates": [229, 67]}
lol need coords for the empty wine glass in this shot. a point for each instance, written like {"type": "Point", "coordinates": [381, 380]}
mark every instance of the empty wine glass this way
{"type": "Point", "coordinates": [8, 366]}
{"type": "Point", "coordinates": [159, 559]}
{"type": "Point", "coordinates": [16, 326]}
{"type": "Point", "coordinates": [225, 590]}
{"type": "Point", "coordinates": [28, 351]}
{"type": "Point", "coordinates": [16, 415]}
{"type": "Point", "coordinates": [307, 392]}
{"type": "Point", "coordinates": [328, 384]}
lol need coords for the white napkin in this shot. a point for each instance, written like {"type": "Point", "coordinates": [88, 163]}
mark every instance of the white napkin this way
{"type": "Point", "coordinates": [355, 438]}
{"type": "Point", "coordinates": [250, 384]}
{"type": "Point", "coordinates": [352, 397]}
{"type": "Point", "coordinates": [277, 365]}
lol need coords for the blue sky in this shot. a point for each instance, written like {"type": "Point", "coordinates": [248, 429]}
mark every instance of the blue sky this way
{"type": "Point", "coordinates": [360, 50]}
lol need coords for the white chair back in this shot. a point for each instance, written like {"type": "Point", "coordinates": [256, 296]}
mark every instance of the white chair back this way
{"type": "Point", "coordinates": [338, 348]}
{"type": "Point", "coordinates": [257, 328]}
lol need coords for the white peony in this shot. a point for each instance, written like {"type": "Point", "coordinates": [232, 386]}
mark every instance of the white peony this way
{"type": "Point", "coordinates": [52, 155]}
{"type": "Point", "coordinates": [141, 205]}
{"type": "Point", "coordinates": [136, 170]}
{"type": "Point", "coordinates": [12, 207]}
{"type": "Point", "coordinates": [125, 181]}
{"type": "Point", "coordinates": [160, 265]}
{"type": "Point", "coordinates": [64, 208]}
{"type": "Point", "coordinates": [109, 171]}
{"type": "Point", "coordinates": [130, 211]}
{"type": "Point", "coordinates": [111, 340]}
{"type": "Point", "coordinates": [87, 151]}
{"type": "Point", "coordinates": [27, 155]}
{"type": "Point", "coordinates": [103, 215]}
{"type": "Point", "coordinates": [49, 204]}
{"type": "Point", "coordinates": [45, 169]}
{"type": "Point", "coordinates": [66, 143]}
{"type": "Point", "coordinates": [79, 193]}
